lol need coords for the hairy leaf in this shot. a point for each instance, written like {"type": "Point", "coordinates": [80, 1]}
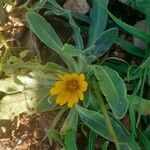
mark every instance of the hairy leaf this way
{"type": "Point", "coordinates": [98, 17]}
{"type": "Point", "coordinates": [113, 88]}
{"type": "Point", "coordinates": [96, 122]}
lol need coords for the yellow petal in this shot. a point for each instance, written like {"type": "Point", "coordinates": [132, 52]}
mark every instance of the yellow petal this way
{"type": "Point", "coordinates": [83, 86]}
{"type": "Point", "coordinates": [74, 76]}
{"type": "Point", "coordinates": [74, 98]}
{"type": "Point", "coordinates": [80, 95]}
{"type": "Point", "coordinates": [81, 77]}
{"type": "Point", "coordinates": [62, 98]}
{"type": "Point", "coordinates": [67, 76]}
{"type": "Point", "coordinates": [70, 104]}
{"type": "Point", "coordinates": [58, 88]}
{"type": "Point", "coordinates": [66, 95]}
{"type": "Point", "coordinates": [64, 101]}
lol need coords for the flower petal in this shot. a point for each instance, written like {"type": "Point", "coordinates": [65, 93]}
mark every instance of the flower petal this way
{"type": "Point", "coordinates": [67, 76]}
{"type": "Point", "coordinates": [58, 88]}
{"type": "Point", "coordinates": [74, 76]}
{"type": "Point", "coordinates": [81, 77]}
{"type": "Point", "coordinates": [70, 104]}
{"type": "Point", "coordinates": [66, 95]}
{"type": "Point", "coordinates": [75, 98]}
{"type": "Point", "coordinates": [83, 86]}
{"type": "Point", "coordinates": [62, 98]}
{"type": "Point", "coordinates": [80, 95]}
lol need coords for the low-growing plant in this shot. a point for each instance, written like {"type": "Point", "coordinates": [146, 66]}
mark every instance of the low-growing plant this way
{"type": "Point", "coordinates": [88, 92]}
{"type": "Point", "coordinates": [83, 76]}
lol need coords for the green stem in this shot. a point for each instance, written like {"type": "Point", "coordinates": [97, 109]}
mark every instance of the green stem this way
{"type": "Point", "coordinates": [106, 116]}
{"type": "Point", "coordinates": [57, 118]}
{"type": "Point", "coordinates": [141, 94]}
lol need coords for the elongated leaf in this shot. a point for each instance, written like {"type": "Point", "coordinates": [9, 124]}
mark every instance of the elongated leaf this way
{"type": "Point", "coordinates": [52, 134]}
{"type": "Point", "coordinates": [55, 4]}
{"type": "Point", "coordinates": [69, 130]}
{"type": "Point", "coordinates": [96, 122]}
{"type": "Point", "coordinates": [44, 31]}
{"type": "Point", "coordinates": [113, 88]}
{"type": "Point", "coordinates": [45, 104]}
{"type": "Point", "coordinates": [58, 10]}
{"type": "Point", "coordinates": [98, 17]}
{"type": "Point", "coordinates": [90, 100]}
{"type": "Point", "coordinates": [70, 50]}
{"type": "Point", "coordinates": [146, 63]}
{"type": "Point", "coordinates": [87, 99]}
{"type": "Point", "coordinates": [92, 140]}
{"type": "Point", "coordinates": [144, 104]}
{"type": "Point", "coordinates": [105, 41]}
{"type": "Point", "coordinates": [105, 145]}
{"type": "Point", "coordinates": [54, 68]}
{"type": "Point", "coordinates": [130, 48]}
{"type": "Point", "coordinates": [81, 17]}
{"type": "Point", "coordinates": [145, 141]}
{"type": "Point", "coordinates": [46, 34]}
{"type": "Point", "coordinates": [70, 141]}
{"type": "Point", "coordinates": [76, 33]}
{"type": "Point", "coordinates": [70, 122]}
{"type": "Point", "coordinates": [131, 29]}
{"type": "Point", "coordinates": [40, 4]}
{"type": "Point", "coordinates": [118, 65]}
{"type": "Point", "coordinates": [143, 6]}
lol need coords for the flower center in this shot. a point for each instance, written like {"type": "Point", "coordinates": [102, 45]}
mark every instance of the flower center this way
{"type": "Point", "coordinates": [72, 85]}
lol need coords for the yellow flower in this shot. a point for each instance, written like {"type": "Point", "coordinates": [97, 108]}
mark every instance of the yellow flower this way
{"type": "Point", "coordinates": [69, 89]}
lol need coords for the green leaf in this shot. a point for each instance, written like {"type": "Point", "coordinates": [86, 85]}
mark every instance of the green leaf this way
{"type": "Point", "coordinates": [38, 5]}
{"type": "Point", "coordinates": [143, 6]}
{"type": "Point", "coordinates": [105, 41]}
{"type": "Point", "coordinates": [130, 48]}
{"type": "Point", "coordinates": [92, 140]}
{"type": "Point", "coordinates": [70, 141]}
{"type": "Point", "coordinates": [69, 130]}
{"type": "Point", "coordinates": [105, 145]}
{"type": "Point", "coordinates": [131, 29]}
{"type": "Point", "coordinates": [145, 141]}
{"type": "Point", "coordinates": [56, 5]}
{"type": "Point", "coordinates": [95, 121]}
{"type": "Point", "coordinates": [98, 22]}
{"type": "Point", "coordinates": [71, 121]}
{"type": "Point", "coordinates": [87, 99]}
{"type": "Point", "coordinates": [46, 34]}
{"type": "Point", "coordinates": [46, 104]}
{"type": "Point", "coordinates": [44, 31]}
{"type": "Point", "coordinates": [58, 10]}
{"type": "Point", "coordinates": [81, 17]}
{"type": "Point", "coordinates": [141, 103]}
{"type": "Point", "coordinates": [145, 63]}
{"type": "Point", "coordinates": [76, 33]}
{"type": "Point", "coordinates": [113, 88]}
{"type": "Point", "coordinates": [118, 65]}
{"type": "Point", "coordinates": [51, 67]}
{"type": "Point", "coordinates": [70, 50]}
{"type": "Point", "coordinates": [90, 101]}
{"type": "Point", "coordinates": [52, 134]}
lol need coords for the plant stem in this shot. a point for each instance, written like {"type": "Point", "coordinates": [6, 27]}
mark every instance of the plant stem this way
{"type": "Point", "coordinates": [106, 116]}
{"type": "Point", "coordinates": [58, 116]}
